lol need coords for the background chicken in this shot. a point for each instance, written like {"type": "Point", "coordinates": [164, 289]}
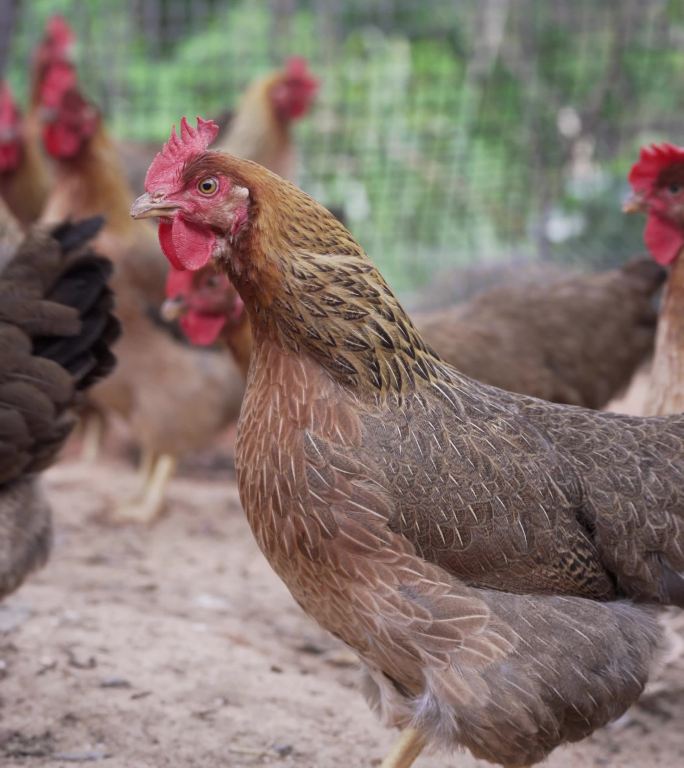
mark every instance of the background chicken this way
{"type": "Point", "coordinates": [259, 130]}
{"type": "Point", "coordinates": [657, 180]}
{"type": "Point", "coordinates": [155, 370]}
{"type": "Point", "coordinates": [209, 308]}
{"type": "Point", "coordinates": [56, 329]}
{"type": "Point", "coordinates": [575, 340]}
{"type": "Point", "coordinates": [24, 178]}
{"type": "Point", "coordinates": [483, 552]}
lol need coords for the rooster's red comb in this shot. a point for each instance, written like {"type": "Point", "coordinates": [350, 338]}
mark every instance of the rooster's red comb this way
{"type": "Point", "coordinates": [9, 111]}
{"type": "Point", "coordinates": [298, 67]}
{"type": "Point", "coordinates": [167, 166]}
{"type": "Point", "coordinates": [59, 33]}
{"type": "Point", "coordinates": [653, 160]}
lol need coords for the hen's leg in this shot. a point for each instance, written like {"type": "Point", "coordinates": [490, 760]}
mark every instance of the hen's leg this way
{"type": "Point", "coordinates": [406, 750]}
{"type": "Point", "coordinates": [148, 504]}
{"type": "Point", "coordinates": [93, 430]}
{"type": "Point", "coordinates": [148, 459]}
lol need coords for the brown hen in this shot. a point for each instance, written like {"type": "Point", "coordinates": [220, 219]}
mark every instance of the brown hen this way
{"type": "Point", "coordinates": [491, 557]}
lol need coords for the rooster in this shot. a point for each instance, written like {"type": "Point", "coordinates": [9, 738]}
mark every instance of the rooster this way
{"type": "Point", "coordinates": [491, 557]}
{"type": "Point", "coordinates": [575, 340]}
{"type": "Point", "coordinates": [155, 370]}
{"type": "Point", "coordinates": [56, 329]}
{"type": "Point", "coordinates": [657, 181]}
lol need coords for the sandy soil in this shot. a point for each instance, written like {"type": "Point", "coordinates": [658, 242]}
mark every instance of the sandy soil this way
{"type": "Point", "coordinates": [177, 646]}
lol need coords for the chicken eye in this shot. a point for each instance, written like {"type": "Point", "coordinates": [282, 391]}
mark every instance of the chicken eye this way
{"type": "Point", "coordinates": [674, 189]}
{"type": "Point", "coordinates": [208, 186]}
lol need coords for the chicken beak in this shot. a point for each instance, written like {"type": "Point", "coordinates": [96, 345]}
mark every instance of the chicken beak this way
{"type": "Point", "coordinates": [173, 309]}
{"type": "Point", "coordinates": [634, 204]}
{"type": "Point", "coordinates": [148, 206]}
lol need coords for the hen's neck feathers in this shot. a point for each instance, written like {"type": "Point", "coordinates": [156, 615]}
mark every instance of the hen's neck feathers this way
{"type": "Point", "coordinates": [309, 287]}
{"type": "Point", "coordinates": [667, 390]}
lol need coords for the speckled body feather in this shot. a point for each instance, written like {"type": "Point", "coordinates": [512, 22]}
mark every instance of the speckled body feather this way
{"type": "Point", "coordinates": [473, 546]}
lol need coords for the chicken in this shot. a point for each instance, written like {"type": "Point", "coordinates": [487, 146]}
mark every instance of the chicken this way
{"type": "Point", "coordinates": [24, 181]}
{"type": "Point", "coordinates": [56, 329]}
{"type": "Point", "coordinates": [209, 308]}
{"type": "Point", "coordinates": [262, 124]}
{"type": "Point", "coordinates": [261, 128]}
{"type": "Point", "coordinates": [24, 176]}
{"type": "Point", "coordinates": [155, 371]}
{"type": "Point", "coordinates": [493, 559]}
{"type": "Point", "coordinates": [657, 180]}
{"type": "Point", "coordinates": [575, 340]}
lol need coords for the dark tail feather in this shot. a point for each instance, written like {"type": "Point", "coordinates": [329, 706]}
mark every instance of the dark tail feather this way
{"type": "Point", "coordinates": [72, 235]}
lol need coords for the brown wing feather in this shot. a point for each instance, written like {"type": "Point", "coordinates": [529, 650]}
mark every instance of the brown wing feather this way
{"type": "Point", "coordinates": [510, 676]}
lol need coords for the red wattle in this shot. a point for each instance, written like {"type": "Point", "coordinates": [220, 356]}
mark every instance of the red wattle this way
{"type": "Point", "coordinates": [166, 242]}
{"type": "Point", "coordinates": [185, 245]}
{"type": "Point", "coordinates": [202, 330]}
{"type": "Point", "coordinates": [663, 239]}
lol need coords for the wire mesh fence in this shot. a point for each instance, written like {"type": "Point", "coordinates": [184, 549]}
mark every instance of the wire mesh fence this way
{"type": "Point", "coordinates": [449, 132]}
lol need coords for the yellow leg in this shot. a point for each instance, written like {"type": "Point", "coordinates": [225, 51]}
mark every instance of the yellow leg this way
{"type": "Point", "coordinates": [93, 430]}
{"type": "Point", "coordinates": [146, 506]}
{"type": "Point", "coordinates": [406, 750]}
{"type": "Point", "coordinates": [145, 470]}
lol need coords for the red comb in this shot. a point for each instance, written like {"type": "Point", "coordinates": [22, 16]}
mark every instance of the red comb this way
{"type": "Point", "coordinates": [59, 79]}
{"type": "Point", "coordinates": [297, 65]}
{"type": "Point", "coordinates": [652, 161]}
{"type": "Point", "coordinates": [59, 33]}
{"type": "Point", "coordinates": [9, 112]}
{"type": "Point", "coordinates": [168, 164]}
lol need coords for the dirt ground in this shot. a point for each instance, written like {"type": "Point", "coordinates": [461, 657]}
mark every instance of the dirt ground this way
{"type": "Point", "coordinates": [177, 646]}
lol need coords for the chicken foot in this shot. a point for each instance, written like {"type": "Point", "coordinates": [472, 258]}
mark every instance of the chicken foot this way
{"type": "Point", "coordinates": [155, 472]}
{"type": "Point", "coordinates": [406, 750]}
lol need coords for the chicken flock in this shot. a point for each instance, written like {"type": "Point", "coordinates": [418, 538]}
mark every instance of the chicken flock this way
{"type": "Point", "coordinates": [439, 491]}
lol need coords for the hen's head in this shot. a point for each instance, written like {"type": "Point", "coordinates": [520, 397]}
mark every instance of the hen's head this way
{"type": "Point", "coordinates": [11, 142]}
{"type": "Point", "coordinates": [202, 205]}
{"type": "Point", "coordinates": [69, 120]}
{"type": "Point", "coordinates": [205, 302]}
{"type": "Point", "coordinates": [657, 181]}
{"type": "Point", "coordinates": [294, 90]}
